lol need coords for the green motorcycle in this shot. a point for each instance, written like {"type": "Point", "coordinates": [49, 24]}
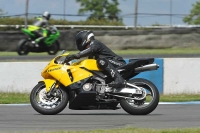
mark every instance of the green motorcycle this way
{"type": "Point", "coordinates": [50, 44]}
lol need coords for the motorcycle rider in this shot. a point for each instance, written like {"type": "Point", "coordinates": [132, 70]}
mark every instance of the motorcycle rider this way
{"type": "Point", "coordinates": [107, 60]}
{"type": "Point", "coordinates": [38, 26]}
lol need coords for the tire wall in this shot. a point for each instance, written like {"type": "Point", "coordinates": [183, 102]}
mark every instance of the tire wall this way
{"type": "Point", "coordinates": [119, 39]}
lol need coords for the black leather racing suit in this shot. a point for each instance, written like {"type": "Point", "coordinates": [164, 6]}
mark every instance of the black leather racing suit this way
{"type": "Point", "coordinates": [107, 60]}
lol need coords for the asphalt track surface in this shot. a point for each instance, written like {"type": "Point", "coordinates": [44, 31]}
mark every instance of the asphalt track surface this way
{"type": "Point", "coordinates": [23, 118]}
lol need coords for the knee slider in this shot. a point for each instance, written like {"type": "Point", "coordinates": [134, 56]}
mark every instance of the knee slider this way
{"type": "Point", "coordinates": [102, 63]}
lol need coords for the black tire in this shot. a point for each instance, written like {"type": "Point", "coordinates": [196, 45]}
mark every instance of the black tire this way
{"type": "Point", "coordinates": [47, 107]}
{"type": "Point", "coordinates": [54, 48]}
{"type": "Point", "coordinates": [143, 109]}
{"type": "Point", "coordinates": [22, 47]}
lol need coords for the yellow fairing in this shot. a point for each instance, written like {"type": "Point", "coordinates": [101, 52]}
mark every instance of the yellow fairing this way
{"type": "Point", "coordinates": [33, 28]}
{"type": "Point", "coordinates": [89, 64]}
{"type": "Point", "coordinates": [66, 74]}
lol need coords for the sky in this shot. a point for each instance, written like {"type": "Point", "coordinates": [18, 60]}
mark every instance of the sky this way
{"type": "Point", "coordinates": [14, 7]}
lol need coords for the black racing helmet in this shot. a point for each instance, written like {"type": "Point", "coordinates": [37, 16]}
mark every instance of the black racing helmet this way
{"type": "Point", "coordinates": [82, 39]}
{"type": "Point", "coordinates": [47, 15]}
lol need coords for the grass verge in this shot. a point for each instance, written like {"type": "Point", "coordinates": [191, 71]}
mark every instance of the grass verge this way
{"type": "Point", "coordinates": [18, 98]}
{"type": "Point", "coordinates": [14, 98]}
{"type": "Point", "coordinates": [180, 98]}
{"type": "Point", "coordinates": [134, 130]}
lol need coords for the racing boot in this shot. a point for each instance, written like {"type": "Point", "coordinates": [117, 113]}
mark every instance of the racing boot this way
{"type": "Point", "coordinates": [105, 65]}
{"type": "Point", "coordinates": [118, 81]}
{"type": "Point", "coordinates": [39, 39]}
{"type": "Point", "coordinates": [34, 44]}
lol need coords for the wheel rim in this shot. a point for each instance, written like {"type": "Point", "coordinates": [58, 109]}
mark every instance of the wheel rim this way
{"type": "Point", "coordinates": [48, 102]}
{"type": "Point", "coordinates": [146, 101]}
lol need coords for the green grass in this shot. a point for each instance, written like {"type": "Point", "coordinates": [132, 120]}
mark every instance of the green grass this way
{"type": "Point", "coordinates": [180, 98]}
{"type": "Point", "coordinates": [15, 54]}
{"type": "Point", "coordinates": [134, 130]}
{"type": "Point", "coordinates": [29, 54]}
{"type": "Point", "coordinates": [126, 52]}
{"type": "Point", "coordinates": [13, 98]}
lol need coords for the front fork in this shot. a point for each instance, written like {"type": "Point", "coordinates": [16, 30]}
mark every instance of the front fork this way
{"type": "Point", "coordinates": [51, 86]}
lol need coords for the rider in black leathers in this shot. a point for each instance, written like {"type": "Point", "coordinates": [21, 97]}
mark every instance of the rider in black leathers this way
{"type": "Point", "coordinates": [107, 60]}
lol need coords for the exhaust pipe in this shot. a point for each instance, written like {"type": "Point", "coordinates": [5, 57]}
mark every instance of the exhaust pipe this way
{"type": "Point", "coordinates": [147, 68]}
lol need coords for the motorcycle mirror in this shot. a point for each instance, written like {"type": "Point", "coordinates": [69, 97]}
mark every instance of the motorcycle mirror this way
{"type": "Point", "coordinates": [62, 52]}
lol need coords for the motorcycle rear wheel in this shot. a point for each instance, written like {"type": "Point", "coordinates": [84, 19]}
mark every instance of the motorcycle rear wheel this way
{"type": "Point", "coordinates": [54, 48]}
{"type": "Point", "coordinates": [142, 107]}
{"type": "Point", "coordinates": [47, 105]}
{"type": "Point", "coordinates": [22, 47]}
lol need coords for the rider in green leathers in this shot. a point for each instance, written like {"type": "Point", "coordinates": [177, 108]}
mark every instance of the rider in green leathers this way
{"type": "Point", "coordinates": [40, 28]}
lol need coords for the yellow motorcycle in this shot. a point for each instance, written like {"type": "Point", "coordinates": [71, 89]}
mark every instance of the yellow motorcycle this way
{"type": "Point", "coordinates": [83, 86]}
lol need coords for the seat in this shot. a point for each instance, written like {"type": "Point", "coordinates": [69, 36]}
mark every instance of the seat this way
{"type": "Point", "coordinates": [134, 63]}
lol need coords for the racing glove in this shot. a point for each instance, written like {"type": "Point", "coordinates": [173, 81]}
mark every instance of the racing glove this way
{"type": "Point", "coordinates": [71, 57]}
{"type": "Point", "coordinates": [79, 55]}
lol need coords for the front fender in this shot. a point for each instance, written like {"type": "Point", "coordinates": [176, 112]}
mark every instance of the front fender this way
{"type": "Point", "coordinates": [48, 83]}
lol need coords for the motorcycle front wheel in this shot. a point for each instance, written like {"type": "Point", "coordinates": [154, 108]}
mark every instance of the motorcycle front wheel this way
{"type": "Point", "coordinates": [22, 47]}
{"type": "Point", "coordinates": [48, 105]}
{"type": "Point", "coordinates": [146, 105]}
